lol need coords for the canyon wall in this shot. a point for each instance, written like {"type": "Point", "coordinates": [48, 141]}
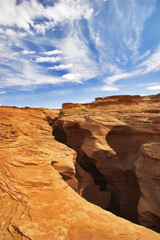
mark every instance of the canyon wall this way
{"type": "Point", "coordinates": [40, 175]}
{"type": "Point", "coordinates": [109, 136]}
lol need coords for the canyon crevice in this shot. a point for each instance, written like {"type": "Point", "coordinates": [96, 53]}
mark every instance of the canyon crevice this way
{"type": "Point", "coordinates": [107, 151]}
{"type": "Point", "coordinates": [108, 136]}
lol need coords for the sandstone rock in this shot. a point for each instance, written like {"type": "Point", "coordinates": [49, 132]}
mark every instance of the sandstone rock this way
{"type": "Point", "coordinates": [90, 190]}
{"type": "Point", "coordinates": [148, 172]}
{"type": "Point", "coordinates": [35, 201]}
{"type": "Point", "coordinates": [107, 135]}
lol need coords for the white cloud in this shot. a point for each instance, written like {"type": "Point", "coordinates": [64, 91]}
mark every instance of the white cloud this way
{"type": "Point", "coordinates": [109, 88]}
{"type": "Point", "coordinates": [117, 77]}
{"type": "Point", "coordinates": [118, 32]}
{"type": "Point", "coordinates": [76, 56]}
{"type": "Point", "coordinates": [48, 59]}
{"type": "Point", "coordinates": [152, 64]}
{"type": "Point", "coordinates": [24, 14]}
{"type": "Point", "coordinates": [157, 87]}
{"type": "Point", "coordinates": [146, 54]}
{"type": "Point", "coordinates": [104, 88]}
{"type": "Point", "coordinates": [74, 46]}
{"type": "Point", "coordinates": [61, 67]}
{"type": "Point", "coordinates": [25, 52]}
{"type": "Point", "coordinates": [3, 92]}
{"type": "Point", "coordinates": [29, 75]}
{"type": "Point", "coordinates": [132, 18]}
{"type": "Point", "coordinates": [72, 77]}
{"type": "Point", "coordinates": [54, 52]}
{"type": "Point", "coordinates": [11, 33]}
{"type": "Point", "coordinates": [76, 51]}
{"type": "Point", "coordinates": [148, 84]}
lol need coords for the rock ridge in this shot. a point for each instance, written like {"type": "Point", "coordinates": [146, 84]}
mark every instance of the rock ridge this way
{"type": "Point", "coordinates": [37, 176]}
{"type": "Point", "coordinates": [112, 136]}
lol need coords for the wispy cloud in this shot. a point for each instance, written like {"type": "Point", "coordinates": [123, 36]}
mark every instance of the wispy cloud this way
{"type": "Point", "coordinates": [148, 84]}
{"type": "Point", "coordinates": [76, 51]}
{"type": "Point", "coordinates": [91, 40]}
{"type": "Point", "coordinates": [27, 52]}
{"type": "Point", "coordinates": [130, 24]}
{"type": "Point", "coordinates": [143, 56]}
{"type": "Point", "coordinates": [121, 36]}
{"type": "Point", "coordinates": [53, 52]}
{"type": "Point", "coordinates": [61, 67]}
{"type": "Point", "coordinates": [156, 87]}
{"type": "Point", "coordinates": [48, 59]}
{"type": "Point", "coordinates": [102, 88]}
{"type": "Point", "coordinates": [23, 15]}
{"type": "Point", "coordinates": [109, 88]}
{"type": "Point", "coordinates": [151, 64]}
{"type": "Point", "coordinates": [3, 92]}
{"type": "Point", "coordinates": [117, 77]}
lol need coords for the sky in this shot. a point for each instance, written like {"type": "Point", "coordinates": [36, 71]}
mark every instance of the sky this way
{"type": "Point", "coordinates": [56, 51]}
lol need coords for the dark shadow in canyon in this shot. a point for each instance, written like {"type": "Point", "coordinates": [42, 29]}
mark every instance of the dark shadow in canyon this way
{"type": "Point", "coordinates": [125, 190]}
{"type": "Point", "coordinates": [74, 139]}
{"type": "Point", "coordinates": [126, 143]}
{"type": "Point", "coordinates": [121, 183]}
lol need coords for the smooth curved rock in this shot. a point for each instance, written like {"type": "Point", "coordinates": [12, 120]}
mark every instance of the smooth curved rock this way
{"type": "Point", "coordinates": [35, 201]}
{"type": "Point", "coordinates": [107, 134]}
{"type": "Point", "coordinates": [148, 172]}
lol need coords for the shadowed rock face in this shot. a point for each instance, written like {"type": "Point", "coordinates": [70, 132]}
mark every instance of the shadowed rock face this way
{"type": "Point", "coordinates": [37, 174]}
{"type": "Point", "coordinates": [112, 188]}
{"type": "Point", "coordinates": [108, 136]}
{"type": "Point", "coordinates": [126, 143]}
{"type": "Point", "coordinates": [148, 173]}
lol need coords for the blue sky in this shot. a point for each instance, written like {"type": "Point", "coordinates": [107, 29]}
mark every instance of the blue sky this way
{"type": "Point", "coordinates": [56, 51]}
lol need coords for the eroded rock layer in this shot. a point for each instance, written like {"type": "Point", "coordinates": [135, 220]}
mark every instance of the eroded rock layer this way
{"type": "Point", "coordinates": [36, 172]}
{"type": "Point", "coordinates": [110, 137]}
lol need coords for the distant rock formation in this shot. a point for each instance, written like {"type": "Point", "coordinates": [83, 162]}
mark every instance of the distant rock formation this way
{"type": "Point", "coordinates": [38, 174]}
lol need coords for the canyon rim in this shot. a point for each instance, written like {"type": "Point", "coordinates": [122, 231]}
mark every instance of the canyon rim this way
{"type": "Point", "coordinates": [87, 171]}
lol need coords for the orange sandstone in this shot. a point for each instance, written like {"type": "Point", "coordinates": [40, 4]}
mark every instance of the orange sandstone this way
{"type": "Point", "coordinates": [37, 173]}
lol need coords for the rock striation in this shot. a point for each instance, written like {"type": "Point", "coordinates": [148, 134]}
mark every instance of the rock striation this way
{"type": "Point", "coordinates": [38, 178]}
{"type": "Point", "coordinates": [117, 143]}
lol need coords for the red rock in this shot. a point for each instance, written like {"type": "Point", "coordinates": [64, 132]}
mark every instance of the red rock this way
{"type": "Point", "coordinates": [148, 172]}
{"type": "Point", "coordinates": [35, 201]}
{"type": "Point", "coordinates": [107, 136]}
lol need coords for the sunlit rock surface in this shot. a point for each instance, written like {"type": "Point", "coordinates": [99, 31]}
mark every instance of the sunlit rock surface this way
{"type": "Point", "coordinates": [36, 172]}
{"type": "Point", "coordinates": [117, 142]}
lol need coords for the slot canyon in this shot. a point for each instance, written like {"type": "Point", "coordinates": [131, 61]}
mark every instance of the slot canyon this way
{"type": "Point", "coordinates": [110, 158]}
{"type": "Point", "coordinates": [106, 152]}
{"type": "Point", "coordinates": [111, 184]}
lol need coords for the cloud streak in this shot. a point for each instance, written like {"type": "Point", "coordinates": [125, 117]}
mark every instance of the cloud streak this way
{"type": "Point", "coordinates": [156, 87]}
{"type": "Point", "coordinates": [48, 59]}
{"type": "Point", "coordinates": [53, 52]}
{"type": "Point", "coordinates": [109, 88]}
{"type": "Point", "coordinates": [79, 40]}
{"type": "Point", "coordinates": [61, 67]}
{"type": "Point", "coordinates": [151, 64]}
{"type": "Point", "coordinates": [27, 52]}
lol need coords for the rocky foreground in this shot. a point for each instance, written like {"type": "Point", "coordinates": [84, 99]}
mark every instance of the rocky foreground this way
{"type": "Point", "coordinates": [108, 151]}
